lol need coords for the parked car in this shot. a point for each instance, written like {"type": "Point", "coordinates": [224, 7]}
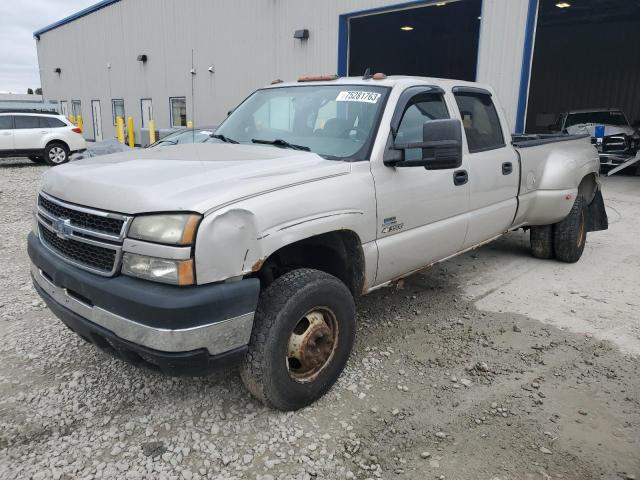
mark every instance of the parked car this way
{"type": "Point", "coordinates": [185, 135]}
{"type": "Point", "coordinates": [616, 139]}
{"type": "Point", "coordinates": [251, 250]}
{"type": "Point", "coordinates": [41, 137]}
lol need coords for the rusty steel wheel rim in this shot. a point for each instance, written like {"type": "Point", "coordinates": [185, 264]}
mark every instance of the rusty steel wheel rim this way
{"type": "Point", "coordinates": [581, 230]}
{"type": "Point", "coordinates": [312, 344]}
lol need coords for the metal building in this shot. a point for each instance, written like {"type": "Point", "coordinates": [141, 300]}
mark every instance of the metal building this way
{"type": "Point", "coordinates": [177, 61]}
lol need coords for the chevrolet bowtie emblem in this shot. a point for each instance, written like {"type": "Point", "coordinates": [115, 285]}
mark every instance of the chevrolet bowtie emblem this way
{"type": "Point", "coordinates": [62, 228]}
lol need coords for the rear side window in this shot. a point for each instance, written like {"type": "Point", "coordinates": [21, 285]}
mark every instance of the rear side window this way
{"type": "Point", "coordinates": [5, 122]}
{"type": "Point", "coordinates": [480, 120]}
{"type": "Point", "coordinates": [51, 122]}
{"type": "Point", "coordinates": [27, 121]}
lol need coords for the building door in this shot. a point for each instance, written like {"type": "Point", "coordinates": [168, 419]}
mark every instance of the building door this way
{"type": "Point", "coordinates": [97, 120]}
{"type": "Point", "coordinates": [64, 108]}
{"type": "Point", "coordinates": [147, 111]}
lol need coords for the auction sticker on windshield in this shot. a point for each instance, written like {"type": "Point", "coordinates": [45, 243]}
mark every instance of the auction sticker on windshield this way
{"type": "Point", "coordinates": [358, 96]}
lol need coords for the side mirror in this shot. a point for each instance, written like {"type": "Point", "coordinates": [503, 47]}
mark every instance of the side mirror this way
{"type": "Point", "coordinates": [441, 147]}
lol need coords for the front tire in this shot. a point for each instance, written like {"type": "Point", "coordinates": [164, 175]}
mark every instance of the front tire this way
{"type": "Point", "coordinates": [570, 235]}
{"type": "Point", "coordinates": [56, 154]}
{"type": "Point", "coordinates": [302, 337]}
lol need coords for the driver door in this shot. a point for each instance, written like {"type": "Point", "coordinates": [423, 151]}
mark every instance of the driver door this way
{"type": "Point", "coordinates": [421, 213]}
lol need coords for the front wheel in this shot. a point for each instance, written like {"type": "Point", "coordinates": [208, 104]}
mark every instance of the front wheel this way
{"type": "Point", "coordinates": [56, 154]}
{"type": "Point", "coordinates": [570, 235]}
{"type": "Point", "coordinates": [302, 337]}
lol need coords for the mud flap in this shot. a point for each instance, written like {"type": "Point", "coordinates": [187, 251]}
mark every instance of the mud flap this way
{"type": "Point", "coordinates": [596, 214]}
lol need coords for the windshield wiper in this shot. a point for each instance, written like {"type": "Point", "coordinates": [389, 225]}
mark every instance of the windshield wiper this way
{"type": "Point", "coordinates": [278, 142]}
{"type": "Point", "coordinates": [219, 136]}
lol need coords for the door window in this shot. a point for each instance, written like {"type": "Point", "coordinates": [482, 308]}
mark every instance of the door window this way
{"type": "Point", "coordinates": [76, 108]}
{"type": "Point", "coordinates": [480, 121]}
{"type": "Point", "coordinates": [27, 121]}
{"type": "Point", "coordinates": [421, 109]}
{"type": "Point", "coordinates": [117, 109]}
{"type": "Point", "coordinates": [6, 123]}
{"type": "Point", "coordinates": [178, 111]}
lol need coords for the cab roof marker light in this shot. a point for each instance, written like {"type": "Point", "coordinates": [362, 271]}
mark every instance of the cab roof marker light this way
{"type": "Point", "coordinates": [379, 76]}
{"type": "Point", "coordinates": [317, 78]}
{"type": "Point", "coordinates": [276, 81]}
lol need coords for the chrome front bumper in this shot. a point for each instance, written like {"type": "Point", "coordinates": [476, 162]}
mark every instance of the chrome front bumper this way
{"type": "Point", "coordinates": [216, 338]}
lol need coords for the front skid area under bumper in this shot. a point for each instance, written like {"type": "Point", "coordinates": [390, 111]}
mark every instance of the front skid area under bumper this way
{"type": "Point", "coordinates": [178, 330]}
{"type": "Point", "coordinates": [193, 363]}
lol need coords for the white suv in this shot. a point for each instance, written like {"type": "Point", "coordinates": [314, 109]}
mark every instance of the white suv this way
{"type": "Point", "coordinates": [42, 137]}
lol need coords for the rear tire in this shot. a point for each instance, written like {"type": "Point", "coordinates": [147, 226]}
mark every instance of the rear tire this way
{"type": "Point", "coordinates": [570, 235]}
{"type": "Point", "coordinates": [302, 337]}
{"type": "Point", "coordinates": [541, 238]}
{"type": "Point", "coordinates": [56, 154]}
{"type": "Point", "coordinates": [36, 159]}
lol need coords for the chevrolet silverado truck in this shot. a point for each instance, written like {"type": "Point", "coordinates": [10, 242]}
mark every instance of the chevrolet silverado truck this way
{"type": "Point", "coordinates": [251, 250]}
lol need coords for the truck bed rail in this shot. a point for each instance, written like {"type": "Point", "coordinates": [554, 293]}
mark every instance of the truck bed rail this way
{"type": "Point", "coordinates": [533, 140]}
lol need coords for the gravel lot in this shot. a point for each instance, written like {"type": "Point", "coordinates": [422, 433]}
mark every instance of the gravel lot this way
{"type": "Point", "coordinates": [491, 366]}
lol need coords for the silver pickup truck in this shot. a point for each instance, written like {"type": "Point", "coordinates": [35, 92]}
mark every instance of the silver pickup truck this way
{"type": "Point", "coordinates": [251, 249]}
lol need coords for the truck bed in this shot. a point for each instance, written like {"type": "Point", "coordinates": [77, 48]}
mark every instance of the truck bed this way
{"type": "Point", "coordinates": [532, 140]}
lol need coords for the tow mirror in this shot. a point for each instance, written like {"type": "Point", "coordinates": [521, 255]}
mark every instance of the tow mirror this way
{"type": "Point", "coordinates": [440, 149]}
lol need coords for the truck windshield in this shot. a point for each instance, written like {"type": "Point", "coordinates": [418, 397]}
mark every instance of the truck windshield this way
{"type": "Point", "coordinates": [334, 121]}
{"type": "Point", "coordinates": [614, 117]}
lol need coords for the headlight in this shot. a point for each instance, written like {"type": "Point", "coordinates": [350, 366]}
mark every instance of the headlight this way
{"type": "Point", "coordinates": [172, 229]}
{"type": "Point", "coordinates": [176, 272]}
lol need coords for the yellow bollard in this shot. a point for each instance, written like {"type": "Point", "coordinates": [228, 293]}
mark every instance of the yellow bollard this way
{"type": "Point", "coordinates": [72, 119]}
{"type": "Point", "coordinates": [80, 122]}
{"type": "Point", "coordinates": [152, 131]}
{"type": "Point", "coordinates": [189, 124]}
{"type": "Point", "coordinates": [131, 134]}
{"type": "Point", "coordinates": [120, 129]}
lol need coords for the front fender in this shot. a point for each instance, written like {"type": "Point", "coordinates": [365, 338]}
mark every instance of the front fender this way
{"type": "Point", "coordinates": [231, 244]}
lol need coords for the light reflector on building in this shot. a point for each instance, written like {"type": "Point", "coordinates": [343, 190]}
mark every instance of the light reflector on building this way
{"type": "Point", "coordinates": [406, 28]}
{"type": "Point", "coordinates": [563, 4]}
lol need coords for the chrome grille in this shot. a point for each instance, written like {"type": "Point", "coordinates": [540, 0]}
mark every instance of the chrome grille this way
{"type": "Point", "coordinates": [87, 238]}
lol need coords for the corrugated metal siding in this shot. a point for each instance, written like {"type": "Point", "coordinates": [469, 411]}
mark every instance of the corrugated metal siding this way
{"type": "Point", "coordinates": [500, 54]}
{"type": "Point", "coordinates": [248, 42]}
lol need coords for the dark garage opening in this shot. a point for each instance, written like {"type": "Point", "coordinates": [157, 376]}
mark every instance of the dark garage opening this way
{"type": "Point", "coordinates": [586, 56]}
{"type": "Point", "coordinates": [433, 41]}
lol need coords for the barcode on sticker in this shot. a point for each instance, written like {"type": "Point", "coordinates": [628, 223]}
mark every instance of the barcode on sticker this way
{"type": "Point", "coordinates": [358, 96]}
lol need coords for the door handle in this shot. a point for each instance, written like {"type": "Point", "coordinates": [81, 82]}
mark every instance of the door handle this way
{"type": "Point", "coordinates": [507, 168]}
{"type": "Point", "coordinates": [460, 177]}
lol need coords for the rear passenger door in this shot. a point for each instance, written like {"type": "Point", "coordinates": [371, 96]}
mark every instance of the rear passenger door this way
{"type": "Point", "coordinates": [492, 163]}
{"type": "Point", "coordinates": [28, 133]}
{"type": "Point", "coordinates": [6, 134]}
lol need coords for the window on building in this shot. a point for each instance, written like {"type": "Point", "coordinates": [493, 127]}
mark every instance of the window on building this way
{"type": "Point", "coordinates": [76, 108]}
{"type": "Point", "coordinates": [178, 107]}
{"type": "Point", "coordinates": [117, 109]}
{"type": "Point", "coordinates": [480, 120]}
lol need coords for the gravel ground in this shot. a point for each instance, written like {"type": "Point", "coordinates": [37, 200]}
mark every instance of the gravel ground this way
{"type": "Point", "coordinates": [436, 388]}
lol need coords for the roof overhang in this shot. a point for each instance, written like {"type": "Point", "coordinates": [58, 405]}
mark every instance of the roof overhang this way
{"type": "Point", "coordinates": [75, 16]}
